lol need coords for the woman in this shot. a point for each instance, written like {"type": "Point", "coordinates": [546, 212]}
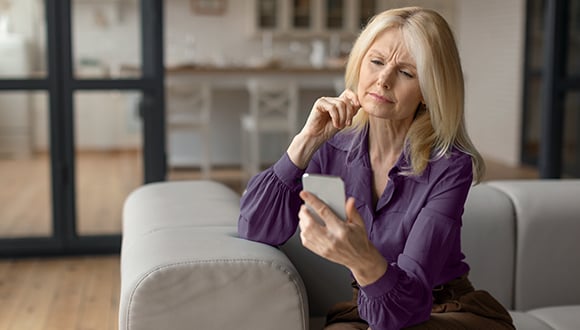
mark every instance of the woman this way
{"type": "Point", "coordinates": [407, 163]}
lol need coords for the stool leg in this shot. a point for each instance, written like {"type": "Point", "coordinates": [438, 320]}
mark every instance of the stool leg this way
{"type": "Point", "coordinates": [244, 156]}
{"type": "Point", "coordinates": [254, 152]}
{"type": "Point", "coordinates": [206, 162]}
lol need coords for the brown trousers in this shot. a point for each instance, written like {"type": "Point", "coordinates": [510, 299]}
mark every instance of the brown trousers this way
{"type": "Point", "coordinates": [456, 305]}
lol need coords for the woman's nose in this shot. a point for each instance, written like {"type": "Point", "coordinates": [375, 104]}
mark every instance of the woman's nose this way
{"type": "Point", "coordinates": [385, 78]}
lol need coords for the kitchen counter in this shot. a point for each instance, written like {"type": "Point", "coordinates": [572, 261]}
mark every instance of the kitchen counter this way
{"type": "Point", "coordinates": [247, 69]}
{"type": "Point", "coordinates": [236, 77]}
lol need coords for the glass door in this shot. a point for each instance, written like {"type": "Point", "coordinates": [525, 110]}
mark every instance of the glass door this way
{"type": "Point", "coordinates": [26, 166]}
{"type": "Point", "coordinates": [108, 153]}
{"type": "Point", "coordinates": [81, 120]}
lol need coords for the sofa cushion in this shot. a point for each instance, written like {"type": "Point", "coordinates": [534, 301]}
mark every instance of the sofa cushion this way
{"type": "Point", "coordinates": [548, 223]}
{"type": "Point", "coordinates": [488, 241]}
{"type": "Point", "coordinates": [525, 321]}
{"type": "Point", "coordinates": [560, 317]}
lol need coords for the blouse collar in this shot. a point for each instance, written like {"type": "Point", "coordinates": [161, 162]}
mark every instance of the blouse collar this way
{"type": "Point", "coordinates": [355, 144]}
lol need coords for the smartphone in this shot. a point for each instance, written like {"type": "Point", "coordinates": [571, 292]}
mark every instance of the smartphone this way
{"type": "Point", "coordinates": [329, 189]}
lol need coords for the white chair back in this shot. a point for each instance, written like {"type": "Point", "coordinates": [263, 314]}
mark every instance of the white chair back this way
{"type": "Point", "coordinates": [188, 109]}
{"type": "Point", "coordinates": [273, 105]}
{"type": "Point", "coordinates": [273, 109]}
{"type": "Point", "coordinates": [187, 104]}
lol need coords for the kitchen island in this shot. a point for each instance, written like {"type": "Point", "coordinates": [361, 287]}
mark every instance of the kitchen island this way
{"type": "Point", "coordinates": [230, 100]}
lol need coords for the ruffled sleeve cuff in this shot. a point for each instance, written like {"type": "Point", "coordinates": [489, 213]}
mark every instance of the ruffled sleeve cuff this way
{"type": "Point", "coordinates": [384, 284]}
{"type": "Point", "coordinates": [288, 173]}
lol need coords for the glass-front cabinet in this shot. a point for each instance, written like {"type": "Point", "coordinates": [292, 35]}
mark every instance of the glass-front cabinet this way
{"type": "Point", "coordinates": [267, 14]}
{"type": "Point", "coordinates": [313, 17]}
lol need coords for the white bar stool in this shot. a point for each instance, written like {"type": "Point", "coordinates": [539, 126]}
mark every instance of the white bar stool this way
{"type": "Point", "coordinates": [188, 109]}
{"type": "Point", "coordinates": [273, 109]}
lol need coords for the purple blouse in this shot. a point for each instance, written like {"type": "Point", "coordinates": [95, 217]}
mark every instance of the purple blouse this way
{"type": "Point", "coordinates": [415, 224]}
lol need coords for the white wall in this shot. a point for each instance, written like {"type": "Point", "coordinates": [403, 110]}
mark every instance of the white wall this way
{"type": "Point", "coordinates": [217, 39]}
{"type": "Point", "coordinates": [491, 36]}
{"type": "Point", "coordinates": [110, 33]}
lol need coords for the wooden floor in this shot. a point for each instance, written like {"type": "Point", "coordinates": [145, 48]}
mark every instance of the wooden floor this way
{"type": "Point", "coordinates": [82, 293]}
{"type": "Point", "coordinates": [59, 293]}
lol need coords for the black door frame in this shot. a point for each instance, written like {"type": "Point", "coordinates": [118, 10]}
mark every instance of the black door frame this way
{"type": "Point", "coordinates": [61, 86]}
{"type": "Point", "coordinates": [553, 91]}
{"type": "Point", "coordinates": [555, 84]}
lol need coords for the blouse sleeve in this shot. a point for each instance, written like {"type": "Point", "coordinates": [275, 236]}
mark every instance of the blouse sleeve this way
{"type": "Point", "coordinates": [269, 206]}
{"type": "Point", "coordinates": [402, 296]}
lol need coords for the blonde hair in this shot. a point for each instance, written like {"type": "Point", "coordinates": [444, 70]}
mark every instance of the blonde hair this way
{"type": "Point", "coordinates": [441, 127]}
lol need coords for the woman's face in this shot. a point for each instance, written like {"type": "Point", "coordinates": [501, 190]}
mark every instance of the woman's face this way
{"type": "Point", "coordinates": [388, 85]}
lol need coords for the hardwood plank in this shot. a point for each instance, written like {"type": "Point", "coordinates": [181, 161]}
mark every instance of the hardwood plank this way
{"type": "Point", "coordinates": [32, 310]}
{"type": "Point", "coordinates": [4, 269]}
{"type": "Point", "coordinates": [95, 308]}
{"type": "Point", "coordinates": [115, 265]}
{"type": "Point", "coordinates": [25, 182]}
{"type": "Point", "coordinates": [65, 293]}
{"type": "Point", "coordinates": [64, 308]}
{"type": "Point", "coordinates": [104, 180]}
{"type": "Point", "coordinates": [14, 284]}
{"type": "Point", "coordinates": [101, 197]}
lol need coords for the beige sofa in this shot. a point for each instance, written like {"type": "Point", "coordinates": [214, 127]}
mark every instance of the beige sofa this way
{"type": "Point", "coordinates": [183, 266]}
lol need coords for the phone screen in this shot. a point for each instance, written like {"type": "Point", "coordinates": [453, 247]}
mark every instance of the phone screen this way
{"type": "Point", "coordinates": [329, 189]}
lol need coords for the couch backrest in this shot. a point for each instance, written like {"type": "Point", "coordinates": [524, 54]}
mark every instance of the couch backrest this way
{"type": "Point", "coordinates": [326, 283]}
{"type": "Point", "coordinates": [548, 241]}
{"type": "Point", "coordinates": [520, 238]}
{"type": "Point", "coordinates": [488, 242]}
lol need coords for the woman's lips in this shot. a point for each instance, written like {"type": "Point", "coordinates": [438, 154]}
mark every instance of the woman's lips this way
{"type": "Point", "coordinates": [381, 98]}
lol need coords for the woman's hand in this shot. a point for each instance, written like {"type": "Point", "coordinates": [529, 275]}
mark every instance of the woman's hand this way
{"type": "Point", "coordinates": [341, 241]}
{"type": "Point", "coordinates": [331, 114]}
{"type": "Point", "coordinates": [327, 116]}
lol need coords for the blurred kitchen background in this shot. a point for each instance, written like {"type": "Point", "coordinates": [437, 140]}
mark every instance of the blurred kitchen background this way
{"type": "Point", "coordinates": [65, 169]}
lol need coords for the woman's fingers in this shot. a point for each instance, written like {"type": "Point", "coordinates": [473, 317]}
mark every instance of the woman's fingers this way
{"type": "Point", "coordinates": [335, 110]}
{"type": "Point", "coordinates": [352, 99]}
{"type": "Point", "coordinates": [340, 109]}
{"type": "Point", "coordinates": [334, 239]}
{"type": "Point", "coordinates": [351, 96]}
{"type": "Point", "coordinates": [321, 209]}
{"type": "Point", "coordinates": [331, 114]}
{"type": "Point", "coordinates": [313, 234]}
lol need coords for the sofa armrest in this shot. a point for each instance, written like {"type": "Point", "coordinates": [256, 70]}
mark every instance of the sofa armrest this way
{"type": "Point", "coordinates": [160, 205]}
{"type": "Point", "coordinates": [488, 241]}
{"type": "Point", "coordinates": [548, 223]}
{"type": "Point", "coordinates": [208, 278]}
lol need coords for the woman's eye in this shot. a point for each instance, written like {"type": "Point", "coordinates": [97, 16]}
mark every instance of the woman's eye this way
{"type": "Point", "coordinates": [407, 74]}
{"type": "Point", "coordinates": [377, 62]}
